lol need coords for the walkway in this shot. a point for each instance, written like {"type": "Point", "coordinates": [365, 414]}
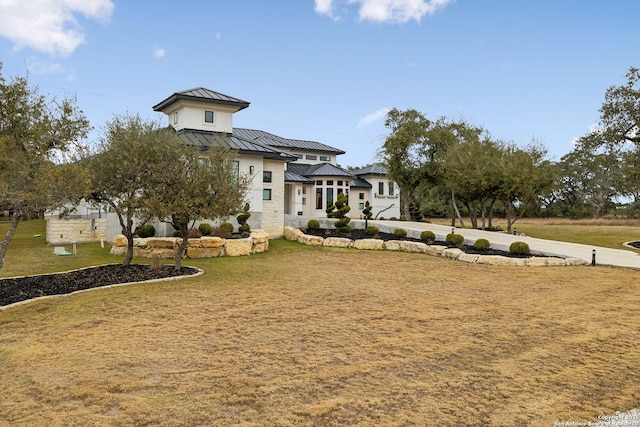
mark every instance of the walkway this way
{"type": "Point", "coordinates": [604, 256]}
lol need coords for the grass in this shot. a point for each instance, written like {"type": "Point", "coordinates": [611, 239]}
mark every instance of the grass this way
{"type": "Point", "coordinates": [312, 336]}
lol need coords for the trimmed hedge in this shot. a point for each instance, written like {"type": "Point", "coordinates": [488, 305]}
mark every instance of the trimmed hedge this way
{"type": "Point", "coordinates": [399, 233]}
{"type": "Point", "coordinates": [519, 248]}
{"type": "Point", "coordinates": [454, 239]}
{"type": "Point", "coordinates": [482, 244]}
{"type": "Point", "coordinates": [371, 230]}
{"type": "Point", "coordinates": [427, 236]}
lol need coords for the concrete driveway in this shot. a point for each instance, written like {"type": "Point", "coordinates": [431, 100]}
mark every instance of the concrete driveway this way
{"type": "Point", "coordinates": [603, 256]}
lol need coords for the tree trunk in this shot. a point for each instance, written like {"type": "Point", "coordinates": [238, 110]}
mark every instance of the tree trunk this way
{"type": "Point", "coordinates": [10, 232]}
{"type": "Point", "coordinates": [181, 248]}
{"type": "Point", "coordinates": [457, 211]}
{"type": "Point", "coordinates": [129, 256]}
{"type": "Point", "coordinates": [406, 208]}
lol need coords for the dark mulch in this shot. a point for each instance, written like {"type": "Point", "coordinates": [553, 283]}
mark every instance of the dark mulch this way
{"type": "Point", "coordinates": [360, 234]}
{"type": "Point", "coordinates": [634, 244]}
{"type": "Point", "coordinates": [23, 288]}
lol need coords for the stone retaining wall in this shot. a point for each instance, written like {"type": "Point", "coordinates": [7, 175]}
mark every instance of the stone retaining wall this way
{"type": "Point", "coordinates": [203, 247]}
{"type": "Point", "coordinates": [418, 247]}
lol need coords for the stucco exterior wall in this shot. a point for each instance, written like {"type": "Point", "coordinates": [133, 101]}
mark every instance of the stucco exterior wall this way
{"type": "Point", "coordinates": [273, 210]}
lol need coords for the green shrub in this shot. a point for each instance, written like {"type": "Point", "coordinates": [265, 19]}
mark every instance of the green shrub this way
{"type": "Point", "coordinates": [399, 233]}
{"type": "Point", "coordinates": [146, 230]}
{"type": "Point", "coordinates": [177, 233]}
{"type": "Point", "coordinates": [313, 224]}
{"type": "Point", "coordinates": [427, 236]}
{"type": "Point", "coordinates": [454, 239]}
{"type": "Point", "coordinates": [224, 230]}
{"type": "Point", "coordinates": [519, 248]}
{"type": "Point", "coordinates": [371, 230]}
{"type": "Point", "coordinates": [242, 219]}
{"type": "Point", "coordinates": [482, 244]}
{"type": "Point", "coordinates": [205, 229]}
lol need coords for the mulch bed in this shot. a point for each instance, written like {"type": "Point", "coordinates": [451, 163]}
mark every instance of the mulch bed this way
{"type": "Point", "coordinates": [18, 289]}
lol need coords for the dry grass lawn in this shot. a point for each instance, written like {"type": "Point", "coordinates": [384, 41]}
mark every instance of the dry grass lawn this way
{"type": "Point", "coordinates": [309, 336]}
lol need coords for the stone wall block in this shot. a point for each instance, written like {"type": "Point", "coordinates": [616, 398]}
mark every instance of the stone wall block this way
{"type": "Point", "coordinates": [370, 244]}
{"type": "Point", "coordinates": [392, 245]}
{"type": "Point", "coordinates": [212, 242]}
{"type": "Point", "coordinates": [417, 247]}
{"type": "Point", "coordinates": [311, 240]}
{"type": "Point", "coordinates": [193, 252]}
{"type": "Point", "coordinates": [238, 247]}
{"type": "Point", "coordinates": [340, 242]}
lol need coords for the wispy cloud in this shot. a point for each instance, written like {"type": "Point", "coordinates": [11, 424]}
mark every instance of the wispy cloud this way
{"type": "Point", "coordinates": [49, 25]}
{"type": "Point", "coordinates": [159, 53]}
{"type": "Point", "coordinates": [393, 11]}
{"type": "Point", "coordinates": [372, 118]}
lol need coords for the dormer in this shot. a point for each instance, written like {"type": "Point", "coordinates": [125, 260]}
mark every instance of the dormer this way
{"type": "Point", "coordinates": [201, 109]}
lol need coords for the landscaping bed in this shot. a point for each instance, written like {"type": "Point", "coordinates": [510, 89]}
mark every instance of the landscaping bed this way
{"type": "Point", "coordinates": [18, 289]}
{"type": "Point", "coordinates": [360, 234]}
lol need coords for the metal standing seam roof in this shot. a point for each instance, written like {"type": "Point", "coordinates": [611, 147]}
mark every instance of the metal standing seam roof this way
{"type": "Point", "coordinates": [207, 139]}
{"type": "Point", "coordinates": [280, 142]}
{"type": "Point", "coordinates": [203, 95]}
{"type": "Point", "coordinates": [294, 177]}
{"type": "Point", "coordinates": [374, 169]}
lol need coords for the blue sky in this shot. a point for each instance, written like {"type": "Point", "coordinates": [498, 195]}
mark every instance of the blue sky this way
{"type": "Point", "coordinates": [329, 70]}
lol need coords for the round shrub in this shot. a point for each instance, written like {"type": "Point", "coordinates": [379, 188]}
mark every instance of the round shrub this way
{"type": "Point", "coordinates": [454, 239]}
{"type": "Point", "coordinates": [205, 229]}
{"type": "Point", "coordinates": [313, 224]}
{"type": "Point", "coordinates": [146, 230]}
{"type": "Point", "coordinates": [399, 233]}
{"type": "Point", "coordinates": [371, 230]}
{"type": "Point", "coordinates": [427, 236]}
{"type": "Point", "coordinates": [519, 248]}
{"type": "Point", "coordinates": [482, 244]}
{"type": "Point", "coordinates": [177, 233]}
{"type": "Point", "coordinates": [227, 226]}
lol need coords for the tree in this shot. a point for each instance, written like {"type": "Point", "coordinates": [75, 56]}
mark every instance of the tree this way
{"type": "Point", "coordinates": [339, 210]}
{"type": "Point", "coordinates": [525, 175]}
{"type": "Point", "coordinates": [411, 152]}
{"type": "Point", "coordinates": [37, 136]}
{"type": "Point", "coordinates": [121, 169]}
{"type": "Point", "coordinates": [188, 185]}
{"type": "Point", "coordinates": [620, 112]}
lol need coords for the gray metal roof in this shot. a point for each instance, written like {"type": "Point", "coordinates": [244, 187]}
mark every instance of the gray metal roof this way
{"type": "Point", "coordinates": [327, 169]}
{"type": "Point", "coordinates": [207, 139]}
{"type": "Point", "coordinates": [374, 169]}
{"type": "Point", "coordinates": [359, 183]}
{"type": "Point", "coordinates": [204, 95]}
{"type": "Point", "coordinates": [280, 142]}
{"type": "Point", "coordinates": [294, 177]}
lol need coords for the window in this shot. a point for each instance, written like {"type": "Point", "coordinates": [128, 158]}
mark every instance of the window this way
{"type": "Point", "coordinates": [330, 195]}
{"type": "Point", "coordinates": [208, 116]}
{"type": "Point", "coordinates": [361, 196]}
{"type": "Point", "coordinates": [340, 191]}
{"type": "Point", "coordinates": [311, 157]}
{"type": "Point", "coordinates": [381, 188]}
{"type": "Point", "coordinates": [319, 182]}
{"type": "Point", "coordinates": [235, 170]}
{"type": "Point", "coordinates": [266, 194]}
{"type": "Point", "coordinates": [325, 158]}
{"type": "Point", "coordinates": [391, 189]}
{"type": "Point", "coordinates": [361, 206]}
{"type": "Point", "coordinates": [304, 201]}
{"type": "Point", "coordinates": [304, 190]}
{"type": "Point", "coordinates": [330, 182]}
{"type": "Point", "coordinates": [339, 183]}
{"type": "Point", "coordinates": [266, 176]}
{"type": "Point", "coordinates": [175, 117]}
{"type": "Point", "coordinates": [319, 198]}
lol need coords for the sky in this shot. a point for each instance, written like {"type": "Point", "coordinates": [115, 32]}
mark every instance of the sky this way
{"type": "Point", "coordinates": [329, 70]}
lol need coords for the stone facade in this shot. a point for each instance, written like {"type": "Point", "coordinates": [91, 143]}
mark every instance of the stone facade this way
{"type": "Point", "coordinates": [65, 231]}
{"type": "Point", "coordinates": [204, 247]}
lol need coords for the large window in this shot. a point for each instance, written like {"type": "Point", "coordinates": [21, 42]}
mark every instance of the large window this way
{"type": "Point", "coordinates": [266, 176]}
{"type": "Point", "coordinates": [381, 188]}
{"type": "Point", "coordinates": [266, 194]}
{"type": "Point", "coordinates": [311, 157]}
{"type": "Point", "coordinates": [330, 195]}
{"type": "Point", "coordinates": [208, 116]}
{"type": "Point", "coordinates": [325, 158]}
{"type": "Point", "coordinates": [391, 189]}
{"type": "Point", "coordinates": [319, 198]}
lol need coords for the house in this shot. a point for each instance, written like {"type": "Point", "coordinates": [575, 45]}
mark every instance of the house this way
{"type": "Point", "coordinates": [291, 180]}
{"type": "Point", "coordinates": [291, 177]}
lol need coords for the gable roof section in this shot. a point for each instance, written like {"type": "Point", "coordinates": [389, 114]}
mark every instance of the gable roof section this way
{"type": "Point", "coordinates": [208, 139]}
{"type": "Point", "coordinates": [203, 95]}
{"type": "Point", "coordinates": [294, 177]}
{"type": "Point", "coordinates": [359, 183]}
{"type": "Point", "coordinates": [286, 143]}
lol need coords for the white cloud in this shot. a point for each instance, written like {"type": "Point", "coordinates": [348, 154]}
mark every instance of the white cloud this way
{"type": "Point", "coordinates": [159, 53]}
{"type": "Point", "coordinates": [49, 25]}
{"type": "Point", "coordinates": [395, 11]}
{"type": "Point", "coordinates": [373, 117]}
